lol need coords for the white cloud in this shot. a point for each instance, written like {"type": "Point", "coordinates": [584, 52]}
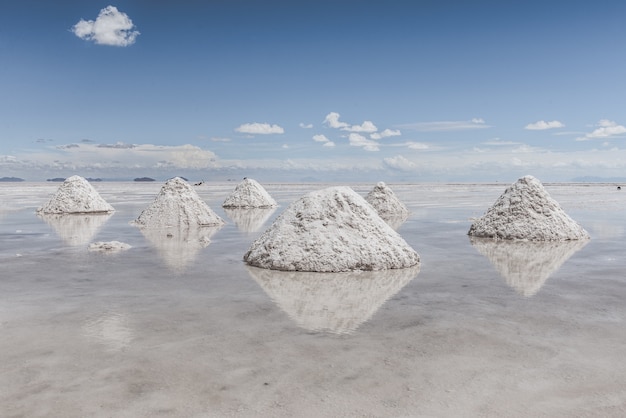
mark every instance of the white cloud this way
{"type": "Point", "coordinates": [399, 162]}
{"type": "Point", "coordinates": [322, 138]}
{"type": "Point", "coordinates": [385, 134]}
{"type": "Point", "coordinates": [543, 125]}
{"type": "Point", "coordinates": [464, 125]}
{"type": "Point", "coordinates": [605, 129]}
{"type": "Point", "coordinates": [357, 140]}
{"type": "Point", "coordinates": [111, 27]}
{"type": "Point", "coordinates": [306, 126]}
{"type": "Point", "coordinates": [367, 126]}
{"type": "Point", "coordinates": [332, 120]}
{"type": "Point", "coordinates": [259, 129]}
{"type": "Point", "coordinates": [220, 139]}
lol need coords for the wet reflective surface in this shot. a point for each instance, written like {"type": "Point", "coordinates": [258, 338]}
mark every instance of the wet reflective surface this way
{"type": "Point", "coordinates": [178, 326]}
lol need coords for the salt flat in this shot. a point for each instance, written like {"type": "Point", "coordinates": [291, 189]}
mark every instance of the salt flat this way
{"type": "Point", "coordinates": [182, 327]}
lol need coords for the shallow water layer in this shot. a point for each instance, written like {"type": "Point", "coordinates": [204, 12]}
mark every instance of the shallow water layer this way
{"type": "Point", "coordinates": [178, 325]}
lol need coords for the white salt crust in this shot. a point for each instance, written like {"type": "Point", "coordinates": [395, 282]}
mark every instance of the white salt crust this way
{"type": "Point", "coordinates": [249, 194]}
{"type": "Point", "coordinates": [525, 211]}
{"type": "Point", "coordinates": [384, 200]}
{"type": "Point", "coordinates": [330, 230]}
{"type": "Point", "coordinates": [177, 205]}
{"type": "Point", "coordinates": [108, 247]}
{"type": "Point", "coordinates": [76, 195]}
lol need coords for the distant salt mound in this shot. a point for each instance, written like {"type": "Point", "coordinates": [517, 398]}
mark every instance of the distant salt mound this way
{"type": "Point", "coordinates": [384, 200]}
{"type": "Point", "coordinates": [177, 205]}
{"type": "Point", "coordinates": [330, 230]}
{"type": "Point", "coordinates": [249, 194]}
{"type": "Point", "coordinates": [76, 195]}
{"type": "Point", "coordinates": [525, 211]}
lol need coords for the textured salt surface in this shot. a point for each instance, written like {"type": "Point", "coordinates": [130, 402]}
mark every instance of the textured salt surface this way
{"type": "Point", "coordinates": [526, 211]}
{"type": "Point", "coordinates": [526, 265]}
{"type": "Point", "coordinates": [75, 195]}
{"type": "Point", "coordinates": [337, 303]}
{"type": "Point", "coordinates": [249, 194]}
{"type": "Point", "coordinates": [108, 247]}
{"type": "Point", "coordinates": [176, 205]}
{"type": "Point", "coordinates": [384, 200]}
{"type": "Point", "coordinates": [330, 230]}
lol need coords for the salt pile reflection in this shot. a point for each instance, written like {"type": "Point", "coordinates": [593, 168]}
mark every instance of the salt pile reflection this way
{"type": "Point", "coordinates": [526, 265]}
{"type": "Point", "coordinates": [249, 219]}
{"type": "Point", "coordinates": [179, 246]}
{"type": "Point", "coordinates": [395, 221]}
{"type": "Point", "coordinates": [337, 303]}
{"type": "Point", "coordinates": [76, 229]}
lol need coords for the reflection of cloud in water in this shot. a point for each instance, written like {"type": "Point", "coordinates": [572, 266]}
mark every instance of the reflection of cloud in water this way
{"type": "Point", "coordinates": [179, 246]}
{"type": "Point", "coordinates": [76, 229]}
{"type": "Point", "coordinates": [250, 219]}
{"type": "Point", "coordinates": [331, 302]}
{"type": "Point", "coordinates": [526, 265]}
{"type": "Point", "coordinates": [111, 329]}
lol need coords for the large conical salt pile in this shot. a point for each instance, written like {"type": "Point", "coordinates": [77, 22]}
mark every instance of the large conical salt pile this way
{"type": "Point", "coordinates": [76, 195]}
{"type": "Point", "coordinates": [384, 200]}
{"type": "Point", "coordinates": [177, 204]}
{"type": "Point", "coordinates": [330, 230]}
{"type": "Point", "coordinates": [526, 211]}
{"type": "Point", "coordinates": [249, 194]}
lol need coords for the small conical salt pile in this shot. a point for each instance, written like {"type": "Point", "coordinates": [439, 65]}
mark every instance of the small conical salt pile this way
{"type": "Point", "coordinates": [526, 211]}
{"type": "Point", "coordinates": [76, 195]}
{"type": "Point", "coordinates": [249, 194]}
{"type": "Point", "coordinates": [330, 230]}
{"type": "Point", "coordinates": [177, 204]}
{"type": "Point", "coordinates": [384, 200]}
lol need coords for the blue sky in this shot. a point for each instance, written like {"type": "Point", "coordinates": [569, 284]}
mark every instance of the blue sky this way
{"type": "Point", "coordinates": [325, 90]}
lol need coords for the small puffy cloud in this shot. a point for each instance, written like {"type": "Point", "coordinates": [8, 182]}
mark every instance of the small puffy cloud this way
{"type": "Point", "coordinates": [385, 134]}
{"type": "Point", "coordinates": [306, 125]}
{"type": "Point", "coordinates": [259, 129]}
{"type": "Point", "coordinates": [367, 126]}
{"type": "Point", "coordinates": [332, 120]}
{"type": "Point", "coordinates": [543, 125]}
{"type": "Point", "coordinates": [605, 129]}
{"type": "Point", "coordinates": [444, 126]}
{"type": "Point", "coordinates": [399, 162]}
{"type": "Point", "coordinates": [111, 27]}
{"type": "Point", "coordinates": [322, 138]}
{"type": "Point", "coordinates": [357, 140]}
